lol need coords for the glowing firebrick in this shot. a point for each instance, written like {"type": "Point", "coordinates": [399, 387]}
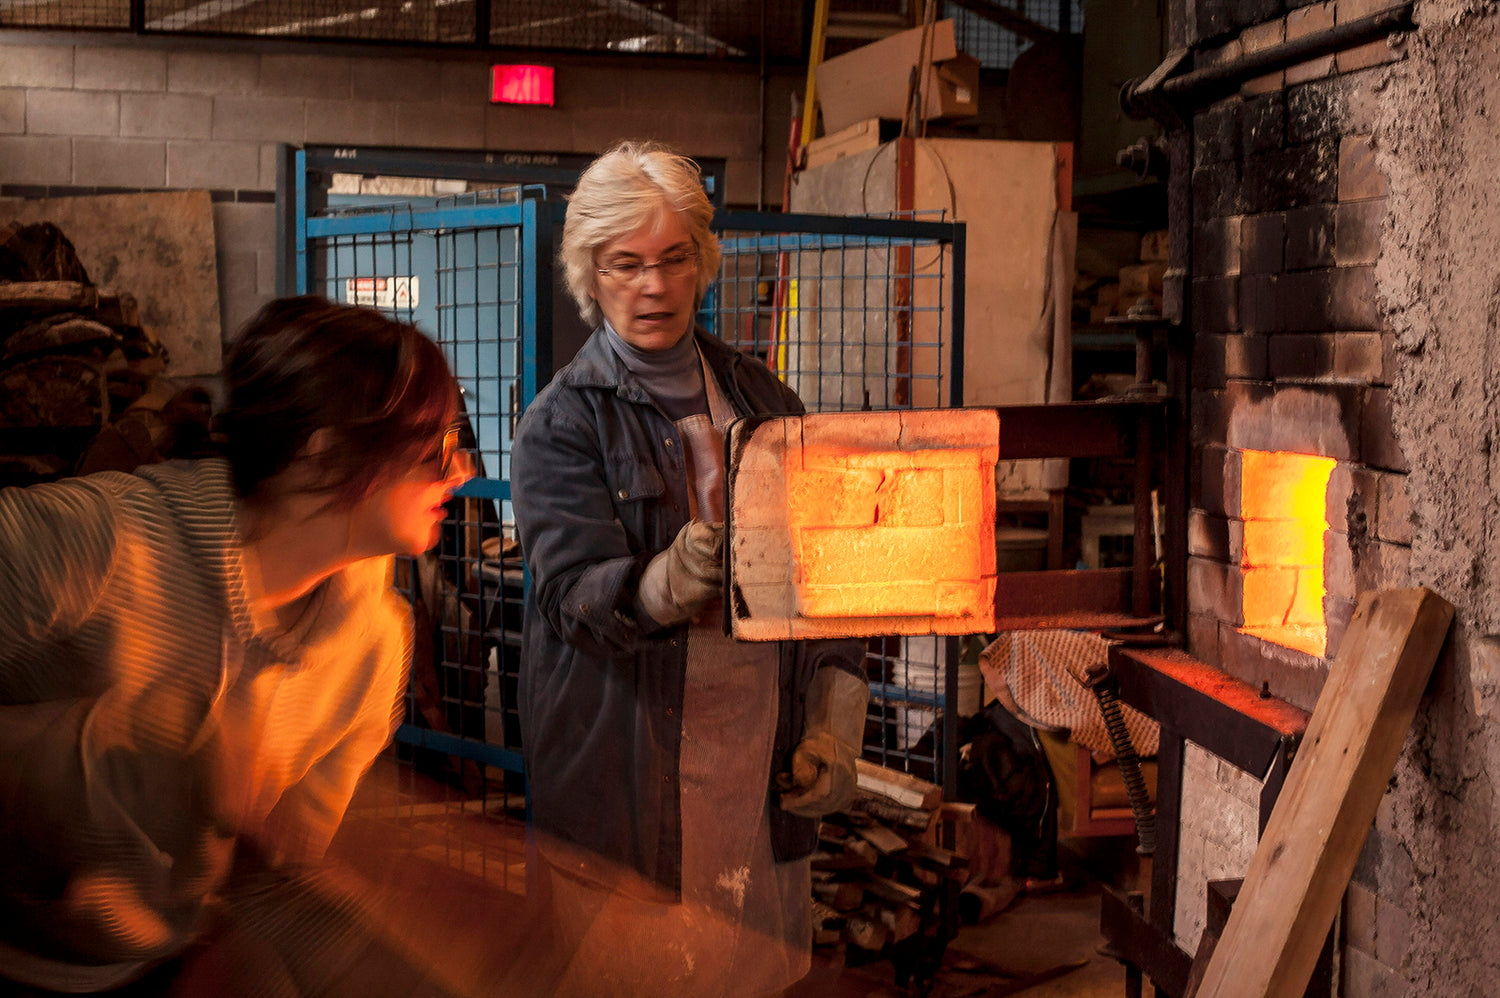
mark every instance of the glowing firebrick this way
{"type": "Point", "coordinates": [867, 523]}
{"type": "Point", "coordinates": [1282, 500]}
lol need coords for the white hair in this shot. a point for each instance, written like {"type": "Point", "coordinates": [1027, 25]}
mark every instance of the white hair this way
{"type": "Point", "coordinates": [616, 195]}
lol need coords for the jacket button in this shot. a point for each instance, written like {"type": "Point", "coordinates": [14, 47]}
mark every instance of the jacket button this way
{"type": "Point", "coordinates": [674, 642]}
{"type": "Point", "coordinates": [623, 494]}
{"type": "Point", "coordinates": [671, 711]}
{"type": "Point", "coordinates": [668, 441]}
{"type": "Point", "coordinates": [666, 779]}
{"type": "Point", "coordinates": [583, 608]}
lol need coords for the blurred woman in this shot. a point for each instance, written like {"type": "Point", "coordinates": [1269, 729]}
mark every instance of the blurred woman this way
{"type": "Point", "coordinates": [198, 661]}
{"type": "Point", "coordinates": [657, 748]}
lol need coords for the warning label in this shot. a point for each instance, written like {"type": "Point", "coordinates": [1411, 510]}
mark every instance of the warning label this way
{"type": "Point", "coordinates": [381, 292]}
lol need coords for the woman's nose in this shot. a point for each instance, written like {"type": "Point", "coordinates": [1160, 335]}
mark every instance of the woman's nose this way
{"type": "Point", "coordinates": [461, 469]}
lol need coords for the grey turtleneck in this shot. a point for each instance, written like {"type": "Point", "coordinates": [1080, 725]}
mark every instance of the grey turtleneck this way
{"type": "Point", "coordinates": [673, 377]}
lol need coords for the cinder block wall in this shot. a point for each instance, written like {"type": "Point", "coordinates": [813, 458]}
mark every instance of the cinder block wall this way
{"type": "Point", "coordinates": [97, 113]}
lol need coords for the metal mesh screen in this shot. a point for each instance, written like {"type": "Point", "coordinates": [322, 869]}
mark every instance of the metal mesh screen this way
{"type": "Point", "coordinates": [451, 783]}
{"type": "Point", "coordinates": [65, 14]}
{"type": "Point", "coordinates": [683, 27]}
{"type": "Point", "coordinates": [857, 314]}
{"type": "Point", "coordinates": [996, 47]}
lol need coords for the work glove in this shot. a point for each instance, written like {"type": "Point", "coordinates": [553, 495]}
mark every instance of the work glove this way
{"type": "Point", "coordinates": [680, 581]}
{"type": "Point", "coordinates": [823, 763]}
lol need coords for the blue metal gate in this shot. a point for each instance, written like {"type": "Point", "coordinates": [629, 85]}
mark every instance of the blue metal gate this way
{"type": "Point", "coordinates": [475, 273]}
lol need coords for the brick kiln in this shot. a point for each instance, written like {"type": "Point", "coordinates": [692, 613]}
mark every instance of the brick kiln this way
{"type": "Point", "coordinates": [1333, 254]}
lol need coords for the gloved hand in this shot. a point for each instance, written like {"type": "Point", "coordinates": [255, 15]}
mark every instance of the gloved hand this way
{"type": "Point", "coordinates": [823, 771]}
{"type": "Point", "coordinates": [686, 577]}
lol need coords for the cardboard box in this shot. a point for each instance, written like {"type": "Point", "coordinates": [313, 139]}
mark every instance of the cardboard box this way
{"type": "Point", "coordinates": [872, 81]}
{"type": "Point", "coordinates": [860, 137]}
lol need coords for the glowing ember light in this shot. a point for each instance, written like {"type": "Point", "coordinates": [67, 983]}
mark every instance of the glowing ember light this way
{"type": "Point", "coordinates": [1282, 500]}
{"type": "Point", "coordinates": [888, 533]}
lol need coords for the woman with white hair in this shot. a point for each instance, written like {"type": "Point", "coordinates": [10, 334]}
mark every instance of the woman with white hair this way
{"type": "Point", "coordinates": [676, 776]}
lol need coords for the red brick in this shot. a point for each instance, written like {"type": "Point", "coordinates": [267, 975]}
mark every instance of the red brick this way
{"type": "Point", "coordinates": [1359, 355]}
{"type": "Point", "coordinates": [1359, 176]}
{"type": "Point", "coordinates": [1356, 231]}
{"type": "Point", "coordinates": [1352, 298]}
{"type": "Point", "coordinates": [1260, 305]}
{"type": "Point", "coordinates": [1214, 588]}
{"type": "Point", "coordinates": [1369, 54]}
{"type": "Point", "coordinates": [1306, 21]}
{"type": "Point", "coordinates": [1263, 243]}
{"type": "Point", "coordinates": [1377, 446]}
{"type": "Point", "coordinates": [1394, 521]}
{"type": "Point", "coordinates": [1203, 637]}
{"type": "Point", "coordinates": [1301, 356]}
{"type": "Point", "coordinates": [1317, 419]}
{"type": "Point", "coordinates": [1351, 482]}
{"type": "Point", "coordinates": [976, 429]}
{"type": "Point", "coordinates": [1208, 536]}
{"type": "Point", "coordinates": [1309, 237]}
{"type": "Point", "coordinates": [1338, 567]}
{"type": "Point", "coordinates": [1337, 613]}
{"type": "Point", "coordinates": [1216, 248]}
{"type": "Point", "coordinates": [1250, 415]}
{"type": "Point", "coordinates": [1216, 304]}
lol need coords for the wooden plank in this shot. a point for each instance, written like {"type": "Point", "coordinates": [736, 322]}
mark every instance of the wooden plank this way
{"type": "Point", "coordinates": [903, 788]}
{"type": "Point", "coordinates": [1303, 863]}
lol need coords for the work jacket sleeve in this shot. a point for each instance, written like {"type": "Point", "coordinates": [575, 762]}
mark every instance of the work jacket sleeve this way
{"type": "Point", "coordinates": [583, 570]}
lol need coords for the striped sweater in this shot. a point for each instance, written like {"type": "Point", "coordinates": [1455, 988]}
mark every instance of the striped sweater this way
{"type": "Point", "coordinates": [146, 726]}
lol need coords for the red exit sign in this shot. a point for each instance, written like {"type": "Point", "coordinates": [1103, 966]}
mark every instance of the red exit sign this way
{"type": "Point", "coordinates": [521, 85]}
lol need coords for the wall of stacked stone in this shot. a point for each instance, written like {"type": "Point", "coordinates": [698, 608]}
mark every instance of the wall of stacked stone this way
{"type": "Point", "coordinates": [102, 113]}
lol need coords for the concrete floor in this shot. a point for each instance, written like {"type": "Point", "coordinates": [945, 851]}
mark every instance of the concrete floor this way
{"type": "Point", "coordinates": [1044, 945]}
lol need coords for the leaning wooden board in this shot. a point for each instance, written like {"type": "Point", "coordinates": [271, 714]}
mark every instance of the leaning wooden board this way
{"type": "Point", "coordinates": [1307, 853]}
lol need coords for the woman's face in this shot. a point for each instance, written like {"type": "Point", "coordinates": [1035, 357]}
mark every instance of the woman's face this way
{"type": "Point", "coordinates": [651, 309]}
{"type": "Point", "coordinates": [403, 513]}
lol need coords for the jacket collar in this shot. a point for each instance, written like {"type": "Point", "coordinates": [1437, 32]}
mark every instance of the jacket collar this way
{"type": "Point", "coordinates": [598, 366]}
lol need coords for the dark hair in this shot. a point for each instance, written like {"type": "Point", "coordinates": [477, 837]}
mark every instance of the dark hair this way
{"type": "Point", "coordinates": [303, 364]}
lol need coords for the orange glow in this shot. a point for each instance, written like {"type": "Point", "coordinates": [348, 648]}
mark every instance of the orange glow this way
{"type": "Point", "coordinates": [890, 533]}
{"type": "Point", "coordinates": [1282, 500]}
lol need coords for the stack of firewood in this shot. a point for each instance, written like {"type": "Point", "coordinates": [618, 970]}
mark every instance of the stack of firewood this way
{"type": "Point", "coordinates": [882, 870]}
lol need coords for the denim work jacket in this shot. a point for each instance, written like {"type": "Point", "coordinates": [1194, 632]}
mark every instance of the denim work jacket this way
{"type": "Point", "coordinates": [600, 487]}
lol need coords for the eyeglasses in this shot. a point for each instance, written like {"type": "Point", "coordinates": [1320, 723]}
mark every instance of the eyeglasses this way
{"type": "Point", "coordinates": [670, 267]}
{"type": "Point", "coordinates": [452, 455]}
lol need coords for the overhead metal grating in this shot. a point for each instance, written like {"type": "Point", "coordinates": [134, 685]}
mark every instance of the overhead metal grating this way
{"type": "Point", "coordinates": [700, 28]}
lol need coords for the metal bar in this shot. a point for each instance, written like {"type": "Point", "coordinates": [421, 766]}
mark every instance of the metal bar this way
{"type": "Point", "coordinates": [299, 218]}
{"type": "Point", "coordinates": [1141, 943]}
{"type": "Point", "coordinates": [1169, 752]}
{"type": "Point", "coordinates": [1143, 548]}
{"type": "Point", "coordinates": [484, 488]}
{"type": "Point", "coordinates": [956, 315]}
{"type": "Point", "coordinates": [482, 23]}
{"type": "Point", "coordinates": [1227, 716]}
{"type": "Point", "coordinates": [950, 720]}
{"type": "Point", "coordinates": [464, 748]}
{"type": "Point", "coordinates": [1202, 86]}
{"type": "Point", "coordinates": [401, 219]}
{"type": "Point", "coordinates": [836, 225]}
{"type": "Point", "coordinates": [1041, 594]}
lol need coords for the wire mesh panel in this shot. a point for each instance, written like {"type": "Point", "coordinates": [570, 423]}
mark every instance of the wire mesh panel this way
{"type": "Point", "coordinates": [65, 14]}
{"type": "Point", "coordinates": [702, 28]}
{"type": "Point", "coordinates": [861, 313]}
{"type": "Point", "coordinates": [996, 46]}
{"type": "Point", "coordinates": [466, 273]}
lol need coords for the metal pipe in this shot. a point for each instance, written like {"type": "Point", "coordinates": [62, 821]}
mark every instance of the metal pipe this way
{"type": "Point", "coordinates": [1200, 86]}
